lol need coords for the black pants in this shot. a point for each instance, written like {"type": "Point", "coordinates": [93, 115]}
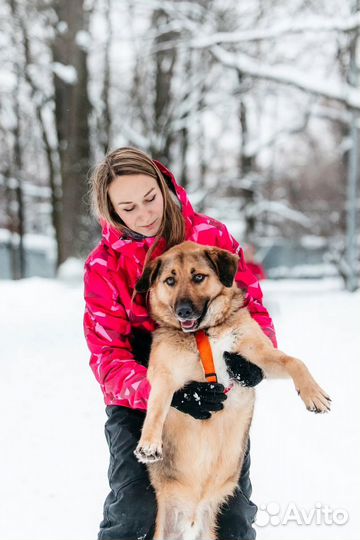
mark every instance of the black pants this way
{"type": "Point", "coordinates": [130, 508]}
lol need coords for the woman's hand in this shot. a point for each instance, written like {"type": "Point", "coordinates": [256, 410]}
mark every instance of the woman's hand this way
{"type": "Point", "coordinates": [242, 371]}
{"type": "Point", "coordinates": [199, 399]}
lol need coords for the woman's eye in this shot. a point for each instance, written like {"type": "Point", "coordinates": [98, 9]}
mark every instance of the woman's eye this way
{"type": "Point", "coordinates": [170, 281]}
{"type": "Point", "coordinates": [146, 200]}
{"type": "Point", "coordinates": [198, 278]}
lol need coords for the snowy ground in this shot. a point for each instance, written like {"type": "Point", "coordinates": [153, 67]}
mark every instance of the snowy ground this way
{"type": "Point", "coordinates": [54, 456]}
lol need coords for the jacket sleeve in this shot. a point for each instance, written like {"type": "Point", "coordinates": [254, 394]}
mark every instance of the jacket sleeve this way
{"type": "Point", "coordinates": [247, 281]}
{"type": "Point", "coordinates": [107, 331]}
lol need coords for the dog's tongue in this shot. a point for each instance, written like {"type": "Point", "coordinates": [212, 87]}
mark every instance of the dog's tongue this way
{"type": "Point", "coordinates": [188, 325]}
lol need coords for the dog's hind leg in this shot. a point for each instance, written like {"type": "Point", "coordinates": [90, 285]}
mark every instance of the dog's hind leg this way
{"type": "Point", "coordinates": [179, 520]}
{"type": "Point", "coordinates": [169, 521]}
{"type": "Point", "coordinates": [165, 520]}
{"type": "Point", "coordinates": [207, 521]}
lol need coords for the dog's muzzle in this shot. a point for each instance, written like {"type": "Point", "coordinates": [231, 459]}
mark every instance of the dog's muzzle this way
{"type": "Point", "coordinates": [188, 316]}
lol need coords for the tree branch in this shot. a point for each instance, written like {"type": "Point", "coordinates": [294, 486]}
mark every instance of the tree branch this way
{"type": "Point", "coordinates": [315, 24]}
{"type": "Point", "coordinates": [345, 93]}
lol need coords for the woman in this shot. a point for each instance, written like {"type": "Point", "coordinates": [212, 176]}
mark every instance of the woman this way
{"type": "Point", "coordinates": [143, 212]}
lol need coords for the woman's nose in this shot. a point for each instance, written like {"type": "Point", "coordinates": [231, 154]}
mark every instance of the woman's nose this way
{"type": "Point", "coordinates": [146, 216]}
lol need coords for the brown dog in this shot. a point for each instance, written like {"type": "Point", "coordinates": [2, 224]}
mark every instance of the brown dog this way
{"type": "Point", "coordinates": [195, 465]}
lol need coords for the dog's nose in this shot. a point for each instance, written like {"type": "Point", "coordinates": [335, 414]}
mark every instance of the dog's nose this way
{"type": "Point", "coordinates": [184, 310]}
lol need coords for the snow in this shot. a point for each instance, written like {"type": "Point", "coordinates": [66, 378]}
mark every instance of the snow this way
{"type": "Point", "coordinates": [71, 270]}
{"type": "Point", "coordinates": [312, 242]}
{"type": "Point", "coordinates": [62, 27]}
{"type": "Point", "coordinates": [68, 73]}
{"type": "Point", "coordinates": [281, 211]}
{"type": "Point", "coordinates": [34, 242]}
{"type": "Point", "coordinates": [83, 39]}
{"type": "Point", "coordinates": [303, 271]}
{"type": "Point", "coordinates": [298, 457]}
{"type": "Point", "coordinates": [54, 454]}
{"type": "Point", "coordinates": [8, 81]}
{"type": "Point", "coordinates": [39, 242]}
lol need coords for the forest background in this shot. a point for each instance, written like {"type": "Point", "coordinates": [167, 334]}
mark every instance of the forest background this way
{"type": "Point", "coordinates": [254, 105]}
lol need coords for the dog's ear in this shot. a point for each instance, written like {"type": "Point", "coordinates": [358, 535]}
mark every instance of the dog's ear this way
{"type": "Point", "coordinates": [148, 277]}
{"type": "Point", "coordinates": [224, 263]}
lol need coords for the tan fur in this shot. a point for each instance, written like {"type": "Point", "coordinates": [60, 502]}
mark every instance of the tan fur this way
{"type": "Point", "coordinates": [195, 465]}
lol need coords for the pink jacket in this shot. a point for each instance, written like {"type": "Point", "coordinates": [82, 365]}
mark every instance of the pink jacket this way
{"type": "Point", "coordinates": [111, 272]}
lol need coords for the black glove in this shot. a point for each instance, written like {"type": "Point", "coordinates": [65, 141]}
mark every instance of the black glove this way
{"type": "Point", "coordinates": [199, 399]}
{"type": "Point", "coordinates": [242, 371]}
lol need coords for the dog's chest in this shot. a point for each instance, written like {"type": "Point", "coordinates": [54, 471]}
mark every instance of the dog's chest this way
{"type": "Point", "coordinates": [218, 347]}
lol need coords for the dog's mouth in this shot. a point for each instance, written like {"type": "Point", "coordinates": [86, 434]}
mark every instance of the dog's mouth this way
{"type": "Point", "coordinates": [191, 325]}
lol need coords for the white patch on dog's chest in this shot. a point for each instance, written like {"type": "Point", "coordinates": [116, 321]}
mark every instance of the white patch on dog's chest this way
{"type": "Point", "coordinates": [218, 347]}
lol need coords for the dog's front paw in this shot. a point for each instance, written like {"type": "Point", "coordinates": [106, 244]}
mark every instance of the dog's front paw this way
{"type": "Point", "coordinates": [315, 398]}
{"type": "Point", "coordinates": [147, 452]}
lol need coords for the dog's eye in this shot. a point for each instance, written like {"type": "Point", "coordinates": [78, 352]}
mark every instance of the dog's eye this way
{"type": "Point", "coordinates": [198, 278]}
{"type": "Point", "coordinates": [170, 281]}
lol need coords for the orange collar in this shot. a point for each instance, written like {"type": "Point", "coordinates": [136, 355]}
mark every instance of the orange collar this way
{"type": "Point", "coordinates": [206, 356]}
{"type": "Point", "coordinates": [207, 360]}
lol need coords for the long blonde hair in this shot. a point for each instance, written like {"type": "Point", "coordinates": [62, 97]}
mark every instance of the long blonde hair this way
{"type": "Point", "coordinates": [127, 161]}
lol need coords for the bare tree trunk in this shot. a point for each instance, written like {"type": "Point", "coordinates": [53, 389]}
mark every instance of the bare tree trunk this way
{"type": "Point", "coordinates": [72, 123]}
{"type": "Point", "coordinates": [205, 62]}
{"type": "Point", "coordinates": [352, 278]}
{"type": "Point", "coordinates": [19, 197]}
{"type": "Point", "coordinates": [184, 132]}
{"type": "Point", "coordinates": [246, 166]}
{"type": "Point", "coordinates": [165, 61]}
{"type": "Point", "coordinates": [18, 251]}
{"type": "Point", "coordinates": [105, 120]}
{"type": "Point", "coordinates": [55, 189]}
{"type": "Point", "coordinates": [11, 225]}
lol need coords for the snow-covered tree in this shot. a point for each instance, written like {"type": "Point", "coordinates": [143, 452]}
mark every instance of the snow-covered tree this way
{"type": "Point", "coordinates": [250, 103]}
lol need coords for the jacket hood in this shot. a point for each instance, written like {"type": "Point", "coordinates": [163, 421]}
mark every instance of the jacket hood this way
{"type": "Point", "coordinates": [117, 239]}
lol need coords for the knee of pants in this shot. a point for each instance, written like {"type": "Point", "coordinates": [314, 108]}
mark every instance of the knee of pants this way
{"type": "Point", "coordinates": [235, 521]}
{"type": "Point", "coordinates": [130, 508]}
{"type": "Point", "coordinates": [238, 514]}
{"type": "Point", "coordinates": [123, 431]}
{"type": "Point", "coordinates": [129, 514]}
{"type": "Point", "coordinates": [244, 480]}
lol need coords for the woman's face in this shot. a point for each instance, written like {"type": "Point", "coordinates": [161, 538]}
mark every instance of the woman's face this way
{"type": "Point", "coordinates": [138, 201]}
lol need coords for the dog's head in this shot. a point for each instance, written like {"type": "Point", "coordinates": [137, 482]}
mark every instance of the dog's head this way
{"type": "Point", "coordinates": [191, 286]}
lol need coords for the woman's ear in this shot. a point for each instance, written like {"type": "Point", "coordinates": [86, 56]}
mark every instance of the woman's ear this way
{"type": "Point", "coordinates": [149, 276]}
{"type": "Point", "coordinates": [224, 263]}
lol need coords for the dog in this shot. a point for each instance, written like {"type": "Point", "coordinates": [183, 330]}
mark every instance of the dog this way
{"type": "Point", "coordinates": [194, 466]}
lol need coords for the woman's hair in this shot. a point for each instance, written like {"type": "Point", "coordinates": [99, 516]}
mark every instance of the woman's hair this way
{"type": "Point", "coordinates": [127, 161]}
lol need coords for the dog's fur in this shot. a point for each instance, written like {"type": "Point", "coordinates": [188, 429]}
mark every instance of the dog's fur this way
{"type": "Point", "coordinates": [195, 465]}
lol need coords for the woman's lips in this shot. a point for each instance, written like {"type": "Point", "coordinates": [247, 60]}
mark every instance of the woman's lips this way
{"type": "Point", "coordinates": [151, 225]}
